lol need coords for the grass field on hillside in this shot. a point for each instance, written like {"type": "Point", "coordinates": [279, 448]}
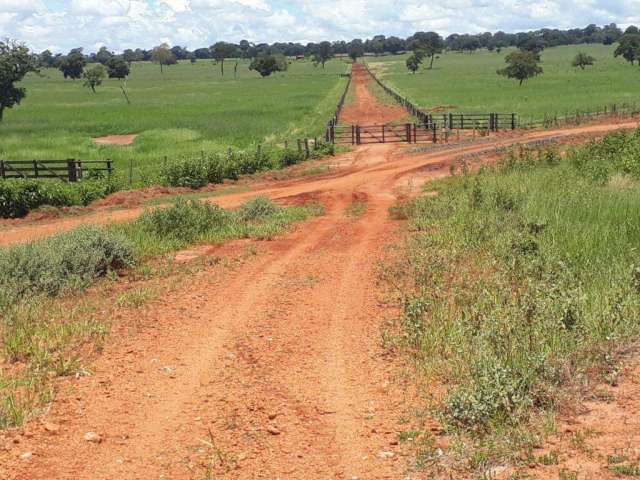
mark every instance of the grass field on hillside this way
{"type": "Point", "coordinates": [187, 109]}
{"type": "Point", "coordinates": [469, 83]}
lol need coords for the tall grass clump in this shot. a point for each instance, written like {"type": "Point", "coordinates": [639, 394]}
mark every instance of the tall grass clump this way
{"type": "Point", "coordinates": [526, 288]}
{"type": "Point", "coordinates": [19, 197]}
{"type": "Point", "coordinates": [62, 262]}
{"type": "Point", "coordinates": [200, 170]}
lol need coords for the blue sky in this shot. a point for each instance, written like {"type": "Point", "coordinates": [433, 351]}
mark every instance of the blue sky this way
{"type": "Point", "coordinates": [63, 24]}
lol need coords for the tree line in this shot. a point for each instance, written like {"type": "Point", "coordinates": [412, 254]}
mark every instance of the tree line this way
{"type": "Point", "coordinates": [379, 44]}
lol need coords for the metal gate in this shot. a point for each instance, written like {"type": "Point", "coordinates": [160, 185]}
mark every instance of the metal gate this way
{"type": "Point", "coordinates": [386, 133]}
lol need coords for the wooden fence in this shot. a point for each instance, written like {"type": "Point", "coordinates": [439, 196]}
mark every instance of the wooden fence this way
{"type": "Point", "coordinates": [334, 120]}
{"type": "Point", "coordinates": [70, 170]}
{"type": "Point", "coordinates": [452, 121]}
{"type": "Point", "coordinates": [578, 117]}
{"type": "Point", "coordinates": [423, 117]}
{"type": "Point", "coordinates": [390, 133]}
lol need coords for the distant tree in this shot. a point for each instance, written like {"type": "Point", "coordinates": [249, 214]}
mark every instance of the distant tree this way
{"type": "Point", "coordinates": [222, 50]}
{"type": "Point", "coordinates": [163, 56]}
{"type": "Point", "coordinates": [394, 45]}
{"type": "Point", "coordinates": [629, 47]}
{"type": "Point", "coordinates": [355, 49]}
{"type": "Point", "coordinates": [583, 60]}
{"type": "Point", "coordinates": [267, 64]}
{"type": "Point", "coordinates": [429, 43]}
{"type": "Point", "coordinates": [521, 65]}
{"type": "Point", "coordinates": [15, 62]}
{"type": "Point", "coordinates": [413, 63]}
{"type": "Point", "coordinates": [94, 76]}
{"type": "Point", "coordinates": [202, 53]}
{"type": "Point", "coordinates": [323, 54]}
{"type": "Point", "coordinates": [103, 56]}
{"type": "Point", "coordinates": [117, 67]}
{"type": "Point", "coordinates": [73, 64]}
{"type": "Point", "coordinates": [46, 59]}
{"type": "Point", "coordinates": [533, 44]}
{"type": "Point", "coordinates": [180, 53]}
{"type": "Point", "coordinates": [129, 56]}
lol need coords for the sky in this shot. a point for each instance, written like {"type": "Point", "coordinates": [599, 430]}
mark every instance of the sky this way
{"type": "Point", "coordinates": [60, 25]}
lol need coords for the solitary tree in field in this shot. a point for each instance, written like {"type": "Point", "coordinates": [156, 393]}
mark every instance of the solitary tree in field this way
{"type": "Point", "coordinates": [94, 76]}
{"type": "Point", "coordinates": [413, 63]}
{"type": "Point", "coordinates": [323, 53]}
{"type": "Point", "coordinates": [15, 62]}
{"type": "Point", "coordinates": [426, 44]}
{"type": "Point", "coordinates": [583, 60]}
{"type": "Point", "coordinates": [163, 56]}
{"type": "Point", "coordinates": [267, 64]}
{"type": "Point", "coordinates": [521, 65]}
{"type": "Point", "coordinates": [629, 47]}
{"type": "Point", "coordinates": [73, 64]}
{"type": "Point", "coordinates": [222, 50]}
{"type": "Point", "coordinates": [117, 67]}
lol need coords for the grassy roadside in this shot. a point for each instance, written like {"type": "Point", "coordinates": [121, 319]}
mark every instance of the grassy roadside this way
{"type": "Point", "coordinates": [48, 327]}
{"type": "Point", "coordinates": [523, 293]}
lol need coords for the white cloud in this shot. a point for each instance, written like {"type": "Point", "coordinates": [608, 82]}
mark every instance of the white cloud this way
{"type": "Point", "coordinates": [121, 24]}
{"type": "Point", "coordinates": [99, 7]}
{"type": "Point", "coordinates": [20, 6]}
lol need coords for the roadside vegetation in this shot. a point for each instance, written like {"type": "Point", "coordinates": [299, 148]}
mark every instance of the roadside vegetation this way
{"type": "Point", "coordinates": [521, 293]}
{"type": "Point", "coordinates": [46, 325]}
{"type": "Point", "coordinates": [19, 197]}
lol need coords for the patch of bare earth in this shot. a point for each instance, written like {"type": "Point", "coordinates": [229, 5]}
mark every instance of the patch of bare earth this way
{"type": "Point", "coordinates": [122, 140]}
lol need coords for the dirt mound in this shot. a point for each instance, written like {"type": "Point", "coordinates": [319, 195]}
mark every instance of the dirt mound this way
{"type": "Point", "coordinates": [116, 140]}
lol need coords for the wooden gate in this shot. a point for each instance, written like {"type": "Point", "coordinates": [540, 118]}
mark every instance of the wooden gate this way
{"type": "Point", "coordinates": [386, 133]}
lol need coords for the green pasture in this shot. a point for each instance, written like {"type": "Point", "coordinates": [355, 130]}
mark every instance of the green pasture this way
{"type": "Point", "coordinates": [463, 82]}
{"type": "Point", "coordinates": [188, 109]}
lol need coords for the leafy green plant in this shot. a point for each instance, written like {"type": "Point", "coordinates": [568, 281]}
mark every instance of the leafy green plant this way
{"type": "Point", "coordinates": [64, 261]}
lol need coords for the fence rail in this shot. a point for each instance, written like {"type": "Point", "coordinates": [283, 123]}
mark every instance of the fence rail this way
{"type": "Point", "coordinates": [334, 120]}
{"type": "Point", "coordinates": [424, 117]}
{"type": "Point", "coordinates": [70, 170]}
{"type": "Point", "coordinates": [580, 116]}
{"type": "Point", "coordinates": [388, 133]}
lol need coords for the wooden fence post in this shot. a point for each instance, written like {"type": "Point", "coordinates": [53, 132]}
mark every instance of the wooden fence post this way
{"type": "Point", "coordinates": [72, 170]}
{"type": "Point", "coordinates": [513, 121]}
{"type": "Point", "coordinates": [306, 147]}
{"type": "Point", "coordinates": [435, 133]}
{"type": "Point", "coordinates": [407, 129]}
{"type": "Point", "coordinates": [383, 133]}
{"type": "Point", "coordinates": [2, 170]}
{"type": "Point", "coordinates": [353, 134]}
{"type": "Point", "coordinates": [358, 135]}
{"type": "Point", "coordinates": [299, 146]}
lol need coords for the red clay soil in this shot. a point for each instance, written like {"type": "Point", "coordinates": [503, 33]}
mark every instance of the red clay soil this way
{"type": "Point", "coordinates": [271, 369]}
{"type": "Point", "coordinates": [122, 140]}
{"type": "Point", "coordinates": [366, 109]}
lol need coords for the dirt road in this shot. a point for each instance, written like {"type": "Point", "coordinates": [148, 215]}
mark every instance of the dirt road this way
{"type": "Point", "coordinates": [269, 369]}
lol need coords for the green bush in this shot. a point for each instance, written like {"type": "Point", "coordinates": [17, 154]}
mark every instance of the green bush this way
{"type": "Point", "coordinates": [257, 208]}
{"type": "Point", "coordinates": [19, 197]}
{"type": "Point", "coordinates": [196, 172]}
{"type": "Point", "coordinates": [186, 220]}
{"type": "Point", "coordinates": [65, 261]}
